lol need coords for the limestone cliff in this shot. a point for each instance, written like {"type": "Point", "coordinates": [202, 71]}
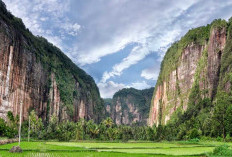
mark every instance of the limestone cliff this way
{"type": "Point", "coordinates": [192, 64]}
{"type": "Point", "coordinates": [129, 106]}
{"type": "Point", "coordinates": [38, 75]}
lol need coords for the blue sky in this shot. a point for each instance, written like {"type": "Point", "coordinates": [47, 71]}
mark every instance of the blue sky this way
{"type": "Point", "coordinates": [120, 43]}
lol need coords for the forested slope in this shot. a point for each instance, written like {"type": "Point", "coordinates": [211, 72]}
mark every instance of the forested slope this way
{"type": "Point", "coordinates": [193, 91]}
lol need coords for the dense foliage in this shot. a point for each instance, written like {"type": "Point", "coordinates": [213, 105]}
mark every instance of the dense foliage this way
{"type": "Point", "coordinates": [108, 131]}
{"type": "Point", "coordinates": [10, 127]}
{"type": "Point", "coordinates": [223, 150]}
{"type": "Point", "coordinates": [198, 35]}
{"type": "Point", "coordinates": [82, 130]}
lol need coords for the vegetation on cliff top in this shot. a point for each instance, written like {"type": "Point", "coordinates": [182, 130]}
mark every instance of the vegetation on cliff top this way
{"type": "Point", "coordinates": [140, 98]}
{"type": "Point", "coordinates": [199, 36]}
{"type": "Point", "coordinates": [55, 61]}
{"type": "Point", "coordinates": [204, 117]}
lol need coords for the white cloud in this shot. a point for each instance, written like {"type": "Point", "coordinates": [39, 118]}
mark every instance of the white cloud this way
{"type": "Point", "coordinates": [139, 85]}
{"type": "Point", "coordinates": [88, 57]}
{"type": "Point", "coordinates": [136, 55]}
{"type": "Point", "coordinates": [115, 26]}
{"type": "Point", "coordinates": [108, 89]}
{"type": "Point", "coordinates": [141, 51]}
{"type": "Point", "coordinates": [71, 29]}
{"type": "Point", "coordinates": [150, 73]}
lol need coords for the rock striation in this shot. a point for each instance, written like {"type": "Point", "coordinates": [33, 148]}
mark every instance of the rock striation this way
{"type": "Point", "coordinates": [196, 63]}
{"type": "Point", "coordinates": [37, 74]}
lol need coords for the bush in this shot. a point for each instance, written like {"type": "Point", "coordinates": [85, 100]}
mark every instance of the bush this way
{"type": "Point", "coordinates": [219, 139]}
{"type": "Point", "coordinates": [66, 131]}
{"type": "Point", "coordinates": [10, 132]}
{"type": "Point", "coordinates": [228, 138]}
{"type": "Point", "coordinates": [2, 127]}
{"type": "Point", "coordinates": [194, 133]}
{"type": "Point", "coordinates": [222, 151]}
{"type": "Point", "coordinates": [206, 138]}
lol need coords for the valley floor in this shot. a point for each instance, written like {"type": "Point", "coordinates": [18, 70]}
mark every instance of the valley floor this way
{"type": "Point", "coordinates": [95, 149]}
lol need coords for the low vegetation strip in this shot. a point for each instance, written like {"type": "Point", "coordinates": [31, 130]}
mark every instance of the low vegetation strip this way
{"type": "Point", "coordinates": [127, 145]}
{"type": "Point", "coordinates": [166, 151]}
{"type": "Point", "coordinates": [143, 148]}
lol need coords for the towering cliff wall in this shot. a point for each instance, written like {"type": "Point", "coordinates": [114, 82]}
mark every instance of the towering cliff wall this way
{"type": "Point", "coordinates": [38, 75]}
{"type": "Point", "coordinates": [129, 106]}
{"type": "Point", "coordinates": [200, 67]}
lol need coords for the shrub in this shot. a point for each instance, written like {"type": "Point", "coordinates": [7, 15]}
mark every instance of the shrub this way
{"type": "Point", "coordinates": [8, 131]}
{"type": "Point", "coordinates": [228, 138]}
{"type": "Point", "coordinates": [194, 140]}
{"type": "Point", "coordinates": [206, 138]}
{"type": "Point", "coordinates": [222, 151]}
{"type": "Point", "coordinates": [220, 139]}
{"type": "Point", "coordinates": [2, 127]}
{"type": "Point", "coordinates": [66, 131]}
{"type": "Point", "coordinates": [194, 133]}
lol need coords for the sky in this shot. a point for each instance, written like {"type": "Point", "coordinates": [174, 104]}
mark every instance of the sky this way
{"type": "Point", "coordinates": [120, 43]}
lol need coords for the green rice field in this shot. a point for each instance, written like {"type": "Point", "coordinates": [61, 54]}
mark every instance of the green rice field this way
{"type": "Point", "coordinates": [95, 149]}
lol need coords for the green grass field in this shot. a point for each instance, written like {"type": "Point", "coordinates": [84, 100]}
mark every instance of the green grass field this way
{"type": "Point", "coordinates": [94, 149]}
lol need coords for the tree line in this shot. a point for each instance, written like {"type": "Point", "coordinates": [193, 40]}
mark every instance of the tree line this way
{"type": "Point", "coordinates": [68, 130]}
{"type": "Point", "coordinates": [202, 120]}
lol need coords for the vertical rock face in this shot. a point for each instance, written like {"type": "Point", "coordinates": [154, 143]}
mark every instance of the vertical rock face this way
{"type": "Point", "coordinates": [130, 106]}
{"type": "Point", "coordinates": [21, 77]}
{"type": "Point", "coordinates": [177, 87]}
{"type": "Point", "coordinates": [39, 75]}
{"type": "Point", "coordinates": [217, 44]}
{"type": "Point", "coordinates": [196, 60]}
{"type": "Point", "coordinates": [54, 96]}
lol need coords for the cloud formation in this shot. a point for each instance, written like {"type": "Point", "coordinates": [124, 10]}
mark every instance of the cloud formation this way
{"type": "Point", "coordinates": [87, 31]}
{"type": "Point", "coordinates": [151, 73]}
{"type": "Point", "coordinates": [47, 18]}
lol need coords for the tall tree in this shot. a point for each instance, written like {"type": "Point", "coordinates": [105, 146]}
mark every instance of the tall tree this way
{"type": "Point", "coordinates": [219, 116]}
{"type": "Point", "coordinates": [229, 120]}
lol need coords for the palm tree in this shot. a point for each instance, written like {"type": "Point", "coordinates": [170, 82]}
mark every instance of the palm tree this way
{"type": "Point", "coordinates": [94, 131]}
{"type": "Point", "coordinates": [108, 122]}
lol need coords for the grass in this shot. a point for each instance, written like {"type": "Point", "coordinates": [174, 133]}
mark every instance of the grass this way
{"type": "Point", "coordinates": [119, 145]}
{"type": "Point", "coordinates": [40, 147]}
{"type": "Point", "coordinates": [215, 143]}
{"type": "Point", "coordinates": [166, 151]}
{"type": "Point", "coordinates": [80, 154]}
{"type": "Point", "coordinates": [93, 149]}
